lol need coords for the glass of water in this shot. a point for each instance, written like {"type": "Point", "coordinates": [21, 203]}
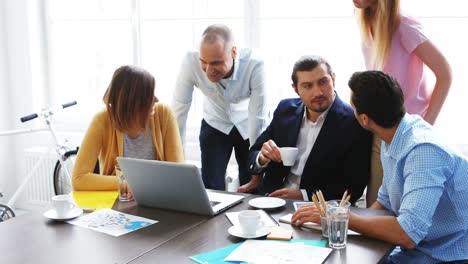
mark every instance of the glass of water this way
{"type": "Point", "coordinates": [338, 218]}
{"type": "Point", "coordinates": [124, 190]}
{"type": "Point", "coordinates": [324, 223]}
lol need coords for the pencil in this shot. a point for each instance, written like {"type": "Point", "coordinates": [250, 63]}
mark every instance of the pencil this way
{"type": "Point", "coordinates": [317, 205]}
{"type": "Point", "coordinates": [314, 199]}
{"type": "Point", "coordinates": [344, 197]}
{"type": "Point", "coordinates": [347, 199]}
{"type": "Point", "coordinates": [323, 202]}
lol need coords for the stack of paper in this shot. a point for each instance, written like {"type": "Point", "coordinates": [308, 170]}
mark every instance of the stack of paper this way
{"type": "Point", "coordinates": [287, 219]}
{"type": "Point", "coordinates": [218, 256]}
{"type": "Point", "coordinates": [279, 233]}
{"type": "Point", "coordinates": [261, 251]}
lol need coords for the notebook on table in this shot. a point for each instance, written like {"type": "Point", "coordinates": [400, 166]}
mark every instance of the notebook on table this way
{"type": "Point", "coordinates": [175, 186]}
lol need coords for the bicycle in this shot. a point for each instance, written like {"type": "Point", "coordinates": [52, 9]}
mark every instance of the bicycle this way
{"type": "Point", "coordinates": [5, 211]}
{"type": "Point", "coordinates": [62, 170]}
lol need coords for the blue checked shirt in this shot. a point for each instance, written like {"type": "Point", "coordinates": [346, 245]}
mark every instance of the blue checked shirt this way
{"type": "Point", "coordinates": [425, 185]}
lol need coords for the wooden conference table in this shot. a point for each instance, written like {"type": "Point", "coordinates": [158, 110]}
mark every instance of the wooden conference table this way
{"type": "Point", "coordinates": [32, 238]}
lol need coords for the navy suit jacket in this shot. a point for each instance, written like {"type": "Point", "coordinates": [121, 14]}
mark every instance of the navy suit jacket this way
{"type": "Point", "coordinates": [339, 159]}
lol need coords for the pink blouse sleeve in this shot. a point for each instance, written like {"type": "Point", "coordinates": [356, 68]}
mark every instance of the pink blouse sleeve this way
{"type": "Point", "coordinates": [412, 34]}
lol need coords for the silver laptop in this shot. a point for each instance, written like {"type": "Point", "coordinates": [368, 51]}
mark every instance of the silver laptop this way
{"type": "Point", "coordinates": [175, 186]}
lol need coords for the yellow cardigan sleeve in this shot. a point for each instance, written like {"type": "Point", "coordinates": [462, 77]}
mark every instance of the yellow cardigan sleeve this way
{"type": "Point", "coordinates": [98, 141]}
{"type": "Point", "coordinates": [171, 144]}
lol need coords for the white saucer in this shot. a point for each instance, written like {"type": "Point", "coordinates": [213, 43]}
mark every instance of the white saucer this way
{"type": "Point", "coordinates": [236, 231]}
{"type": "Point", "coordinates": [52, 214]}
{"type": "Point", "coordinates": [267, 202]}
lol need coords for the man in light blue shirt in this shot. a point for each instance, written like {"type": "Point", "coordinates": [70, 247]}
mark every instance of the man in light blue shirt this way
{"type": "Point", "coordinates": [234, 109]}
{"type": "Point", "coordinates": [425, 183]}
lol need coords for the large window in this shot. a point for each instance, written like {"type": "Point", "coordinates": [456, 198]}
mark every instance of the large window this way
{"type": "Point", "coordinates": [88, 39]}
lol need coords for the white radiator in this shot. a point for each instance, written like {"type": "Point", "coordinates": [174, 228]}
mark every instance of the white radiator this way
{"type": "Point", "coordinates": [40, 187]}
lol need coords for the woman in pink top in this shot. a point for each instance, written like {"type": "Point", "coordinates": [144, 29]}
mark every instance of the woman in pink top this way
{"type": "Point", "coordinates": [396, 44]}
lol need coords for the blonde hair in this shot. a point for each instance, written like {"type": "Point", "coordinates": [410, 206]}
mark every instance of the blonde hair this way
{"type": "Point", "coordinates": [380, 26]}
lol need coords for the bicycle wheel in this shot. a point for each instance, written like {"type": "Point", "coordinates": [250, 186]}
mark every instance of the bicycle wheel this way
{"type": "Point", "coordinates": [62, 181]}
{"type": "Point", "coordinates": [6, 213]}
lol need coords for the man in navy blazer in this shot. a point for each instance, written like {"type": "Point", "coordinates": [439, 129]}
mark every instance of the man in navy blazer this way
{"type": "Point", "coordinates": [334, 151]}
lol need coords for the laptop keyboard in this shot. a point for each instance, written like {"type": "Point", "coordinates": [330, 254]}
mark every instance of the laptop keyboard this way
{"type": "Point", "coordinates": [213, 203]}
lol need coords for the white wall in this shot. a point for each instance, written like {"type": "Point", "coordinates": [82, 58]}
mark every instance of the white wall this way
{"type": "Point", "coordinates": [5, 146]}
{"type": "Point", "coordinates": [23, 76]}
{"type": "Point", "coordinates": [16, 88]}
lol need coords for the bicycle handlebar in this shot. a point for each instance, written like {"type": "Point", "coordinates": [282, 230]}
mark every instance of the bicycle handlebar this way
{"type": "Point", "coordinates": [28, 117]}
{"type": "Point", "coordinates": [72, 103]}
{"type": "Point", "coordinates": [46, 113]}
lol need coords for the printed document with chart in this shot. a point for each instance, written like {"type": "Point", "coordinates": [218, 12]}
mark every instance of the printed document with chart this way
{"type": "Point", "coordinates": [111, 222]}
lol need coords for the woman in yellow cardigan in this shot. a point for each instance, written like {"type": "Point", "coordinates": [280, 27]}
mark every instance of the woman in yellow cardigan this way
{"type": "Point", "coordinates": [132, 125]}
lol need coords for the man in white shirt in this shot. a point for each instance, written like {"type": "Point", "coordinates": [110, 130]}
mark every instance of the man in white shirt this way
{"type": "Point", "coordinates": [234, 109]}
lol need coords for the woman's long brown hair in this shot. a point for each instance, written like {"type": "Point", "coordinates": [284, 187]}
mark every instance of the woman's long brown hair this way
{"type": "Point", "coordinates": [129, 98]}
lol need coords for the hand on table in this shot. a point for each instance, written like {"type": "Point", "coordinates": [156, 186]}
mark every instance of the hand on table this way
{"type": "Point", "coordinates": [251, 185]}
{"type": "Point", "coordinates": [308, 213]}
{"type": "Point", "coordinates": [287, 193]}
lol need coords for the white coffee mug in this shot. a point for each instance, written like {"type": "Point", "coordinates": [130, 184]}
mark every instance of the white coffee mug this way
{"type": "Point", "coordinates": [288, 155]}
{"type": "Point", "coordinates": [63, 204]}
{"type": "Point", "coordinates": [250, 221]}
